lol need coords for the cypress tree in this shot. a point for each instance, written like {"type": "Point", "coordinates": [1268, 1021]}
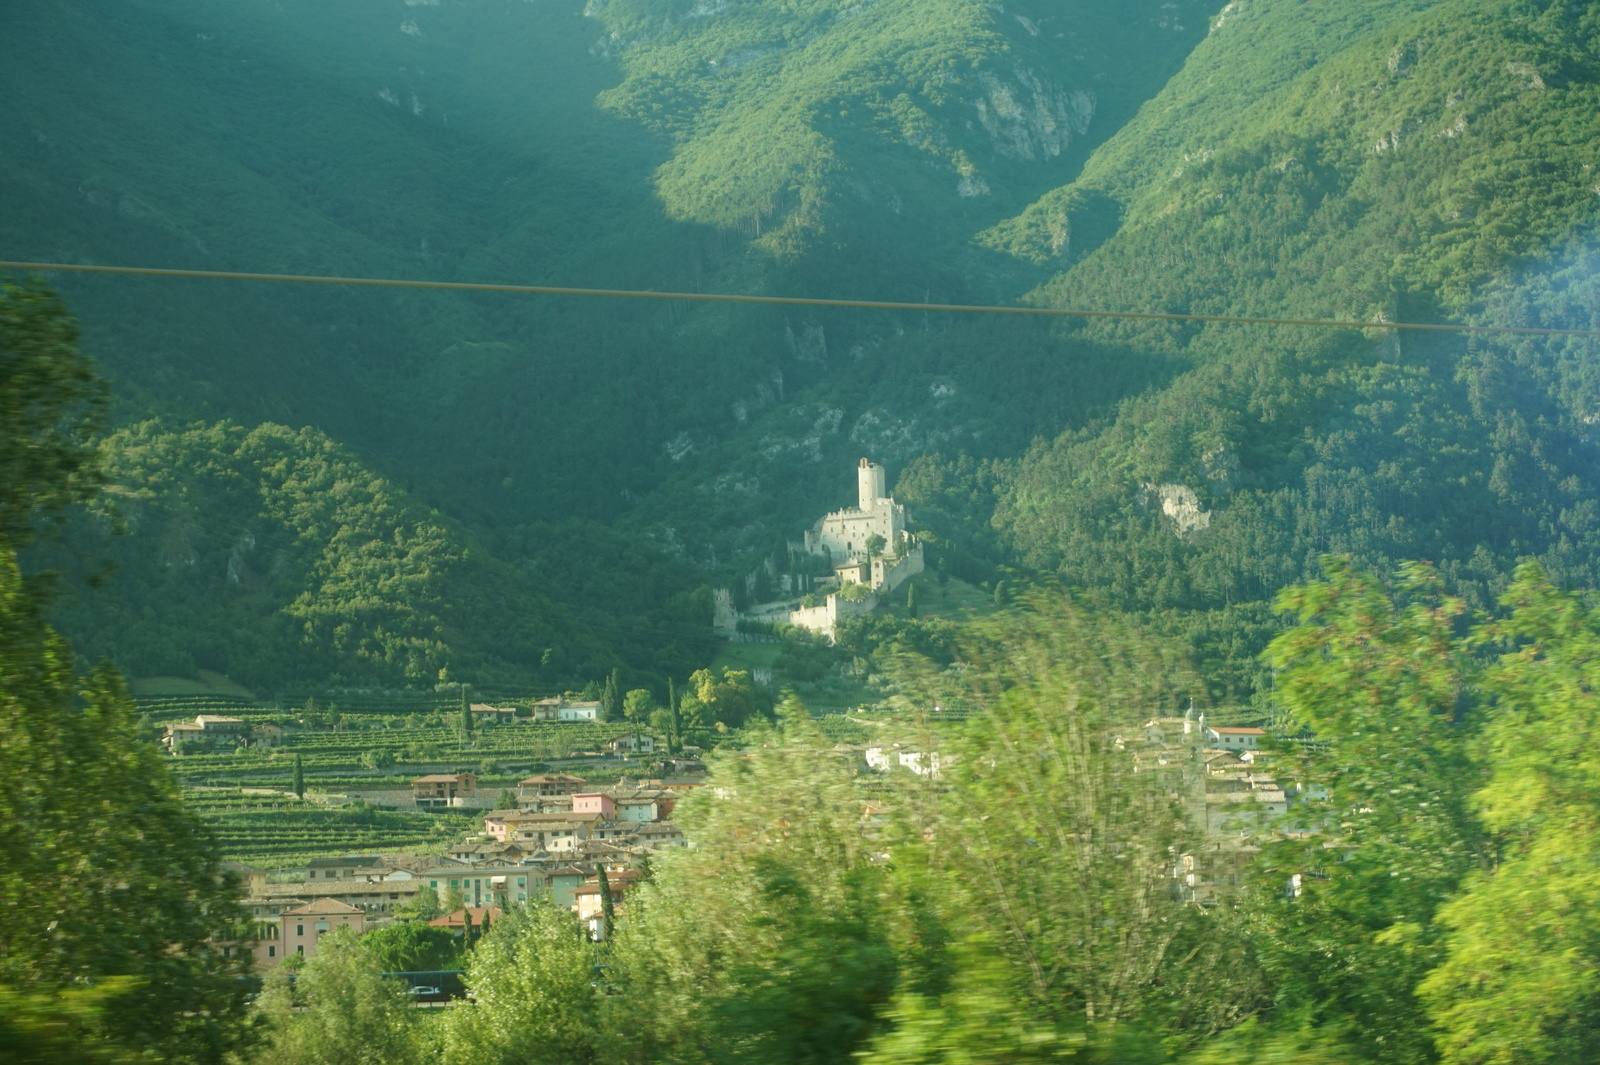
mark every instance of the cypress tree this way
{"type": "Point", "coordinates": [611, 697]}
{"type": "Point", "coordinates": [672, 712]}
{"type": "Point", "coordinates": [608, 913]}
{"type": "Point", "coordinates": [911, 601]}
{"type": "Point", "coordinates": [299, 786]}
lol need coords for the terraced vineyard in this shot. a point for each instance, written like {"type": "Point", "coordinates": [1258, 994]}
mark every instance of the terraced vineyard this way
{"type": "Point", "coordinates": [356, 742]}
{"type": "Point", "coordinates": [279, 831]}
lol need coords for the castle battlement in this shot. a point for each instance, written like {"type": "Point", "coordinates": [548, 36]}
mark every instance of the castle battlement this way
{"type": "Point", "coordinates": [844, 534]}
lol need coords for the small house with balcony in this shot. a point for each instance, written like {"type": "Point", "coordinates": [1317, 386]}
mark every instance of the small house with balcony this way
{"type": "Point", "coordinates": [444, 789]}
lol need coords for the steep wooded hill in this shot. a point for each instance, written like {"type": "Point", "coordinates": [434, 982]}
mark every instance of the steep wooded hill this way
{"type": "Point", "coordinates": [275, 556]}
{"type": "Point", "coordinates": [1415, 162]}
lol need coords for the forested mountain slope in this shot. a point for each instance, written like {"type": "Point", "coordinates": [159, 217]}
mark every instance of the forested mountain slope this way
{"type": "Point", "coordinates": [1372, 161]}
{"type": "Point", "coordinates": [1328, 158]}
{"type": "Point", "coordinates": [275, 556]}
{"type": "Point", "coordinates": [626, 146]}
{"type": "Point", "coordinates": [815, 147]}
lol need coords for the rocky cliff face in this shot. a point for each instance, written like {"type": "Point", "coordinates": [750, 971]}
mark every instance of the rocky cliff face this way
{"type": "Point", "coordinates": [1027, 117]}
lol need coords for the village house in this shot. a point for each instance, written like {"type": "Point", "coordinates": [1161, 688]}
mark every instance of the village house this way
{"type": "Point", "coordinates": [444, 789]}
{"type": "Point", "coordinates": [378, 898]}
{"type": "Point", "coordinates": [632, 743]}
{"type": "Point", "coordinates": [483, 885]}
{"type": "Point", "coordinates": [1215, 868]}
{"type": "Point", "coordinates": [251, 879]}
{"type": "Point", "coordinates": [365, 866]}
{"type": "Point", "coordinates": [550, 804]}
{"type": "Point", "coordinates": [540, 787]}
{"type": "Point", "coordinates": [578, 711]}
{"type": "Point", "coordinates": [547, 709]}
{"type": "Point", "coordinates": [268, 734]}
{"type": "Point", "coordinates": [552, 831]}
{"type": "Point", "coordinates": [1244, 812]}
{"type": "Point", "coordinates": [604, 852]}
{"type": "Point", "coordinates": [587, 902]}
{"type": "Point", "coordinates": [658, 836]}
{"type": "Point", "coordinates": [209, 731]}
{"type": "Point", "coordinates": [683, 773]}
{"type": "Point", "coordinates": [614, 832]}
{"type": "Point", "coordinates": [300, 927]}
{"type": "Point", "coordinates": [643, 804]}
{"type": "Point", "coordinates": [497, 823]}
{"type": "Point", "coordinates": [484, 713]}
{"type": "Point", "coordinates": [595, 802]}
{"type": "Point", "coordinates": [561, 882]}
{"type": "Point", "coordinates": [266, 909]}
{"type": "Point", "coordinates": [895, 756]}
{"type": "Point", "coordinates": [265, 942]}
{"type": "Point", "coordinates": [489, 851]}
{"type": "Point", "coordinates": [1239, 739]}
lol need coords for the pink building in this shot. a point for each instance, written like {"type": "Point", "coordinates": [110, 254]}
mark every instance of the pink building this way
{"type": "Point", "coordinates": [302, 926]}
{"type": "Point", "coordinates": [594, 803]}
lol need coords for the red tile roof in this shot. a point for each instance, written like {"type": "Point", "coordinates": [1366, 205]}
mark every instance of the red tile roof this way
{"type": "Point", "coordinates": [323, 907]}
{"type": "Point", "coordinates": [455, 920]}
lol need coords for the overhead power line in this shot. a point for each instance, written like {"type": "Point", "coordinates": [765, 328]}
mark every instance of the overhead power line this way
{"type": "Point", "coordinates": [795, 301]}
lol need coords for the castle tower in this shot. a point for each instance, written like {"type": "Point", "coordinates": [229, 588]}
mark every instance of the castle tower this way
{"type": "Point", "coordinates": [870, 485]}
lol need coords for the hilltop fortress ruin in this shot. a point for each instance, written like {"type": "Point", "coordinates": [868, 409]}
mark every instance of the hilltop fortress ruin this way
{"type": "Point", "coordinates": [870, 552]}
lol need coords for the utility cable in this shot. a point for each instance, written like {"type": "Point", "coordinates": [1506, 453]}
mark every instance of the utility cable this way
{"type": "Point", "coordinates": [797, 301]}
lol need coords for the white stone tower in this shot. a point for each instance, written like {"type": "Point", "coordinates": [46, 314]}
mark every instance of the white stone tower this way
{"type": "Point", "coordinates": [870, 485]}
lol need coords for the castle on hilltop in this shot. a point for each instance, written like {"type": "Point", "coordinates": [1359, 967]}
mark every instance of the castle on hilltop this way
{"type": "Point", "coordinates": [868, 548]}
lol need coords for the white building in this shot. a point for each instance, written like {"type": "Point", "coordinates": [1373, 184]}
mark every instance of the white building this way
{"type": "Point", "coordinates": [579, 712]}
{"type": "Point", "coordinates": [1235, 739]}
{"type": "Point", "coordinates": [922, 763]}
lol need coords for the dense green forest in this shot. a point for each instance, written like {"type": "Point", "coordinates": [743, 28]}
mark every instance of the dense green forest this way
{"type": "Point", "coordinates": [274, 555]}
{"type": "Point", "coordinates": [1418, 162]}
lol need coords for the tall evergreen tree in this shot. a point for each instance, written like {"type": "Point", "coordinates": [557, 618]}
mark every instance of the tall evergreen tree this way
{"type": "Point", "coordinates": [611, 697]}
{"type": "Point", "coordinates": [674, 742]}
{"type": "Point", "coordinates": [608, 912]}
{"type": "Point", "coordinates": [299, 785]}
